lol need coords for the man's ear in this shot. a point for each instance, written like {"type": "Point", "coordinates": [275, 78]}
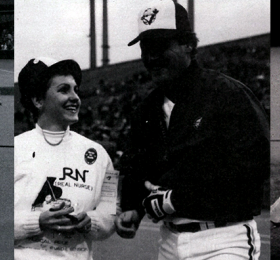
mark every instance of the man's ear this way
{"type": "Point", "coordinates": [38, 102]}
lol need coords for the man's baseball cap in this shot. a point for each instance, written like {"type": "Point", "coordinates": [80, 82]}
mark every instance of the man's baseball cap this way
{"type": "Point", "coordinates": [162, 19]}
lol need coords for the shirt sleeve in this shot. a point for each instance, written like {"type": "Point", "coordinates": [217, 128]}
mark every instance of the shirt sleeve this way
{"type": "Point", "coordinates": [102, 222]}
{"type": "Point", "coordinates": [26, 221]}
{"type": "Point", "coordinates": [26, 224]}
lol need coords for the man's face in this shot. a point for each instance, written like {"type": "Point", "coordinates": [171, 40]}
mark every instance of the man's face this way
{"type": "Point", "coordinates": [165, 59]}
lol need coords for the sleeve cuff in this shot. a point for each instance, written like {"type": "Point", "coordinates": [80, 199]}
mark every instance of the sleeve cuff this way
{"type": "Point", "coordinates": [102, 226]}
{"type": "Point", "coordinates": [167, 204]}
{"type": "Point", "coordinates": [31, 224]}
{"type": "Point", "coordinates": [26, 224]}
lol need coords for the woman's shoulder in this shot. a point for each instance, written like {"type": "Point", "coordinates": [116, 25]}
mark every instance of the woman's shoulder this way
{"type": "Point", "coordinates": [26, 142]}
{"type": "Point", "coordinates": [88, 146]}
{"type": "Point", "coordinates": [25, 136]}
{"type": "Point", "coordinates": [84, 141]}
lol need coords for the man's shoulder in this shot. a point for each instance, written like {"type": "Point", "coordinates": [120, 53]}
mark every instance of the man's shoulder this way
{"type": "Point", "coordinates": [210, 76]}
{"type": "Point", "coordinates": [221, 84]}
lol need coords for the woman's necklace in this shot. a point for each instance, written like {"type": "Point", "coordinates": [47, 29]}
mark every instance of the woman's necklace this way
{"type": "Point", "coordinates": [53, 144]}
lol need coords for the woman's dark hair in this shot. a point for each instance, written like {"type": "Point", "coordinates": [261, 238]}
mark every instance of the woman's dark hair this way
{"type": "Point", "coordinates": [35, 85]}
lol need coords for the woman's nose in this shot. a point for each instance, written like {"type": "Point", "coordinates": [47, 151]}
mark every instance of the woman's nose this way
{"type": "Point", "coordinates": [74, 95]}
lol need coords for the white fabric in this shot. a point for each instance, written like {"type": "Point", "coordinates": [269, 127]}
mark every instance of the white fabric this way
{"type": "Point", "coordinates": [35, 160]}
{"type": "Point", "coordinates": [233, 242]}
{"type": "Point", "coordinates": [178, 221]}
{"type": "Point", "coordinates": [167, 108]}
{"type": "Point", "coordinates": [46, 60]}
{"type": "Point", "coordinates": [54, 137]}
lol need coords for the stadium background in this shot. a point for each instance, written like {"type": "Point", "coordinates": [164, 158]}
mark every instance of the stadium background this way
{"type": "Point", "coordinates": [110, 93]}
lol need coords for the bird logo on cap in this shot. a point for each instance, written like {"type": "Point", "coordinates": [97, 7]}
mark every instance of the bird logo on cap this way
{"type": "Point", "coordinates": [149, 16]}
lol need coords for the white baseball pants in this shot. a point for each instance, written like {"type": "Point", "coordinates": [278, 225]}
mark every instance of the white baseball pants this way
{"type": "Point", "coordinates": [234, 242]}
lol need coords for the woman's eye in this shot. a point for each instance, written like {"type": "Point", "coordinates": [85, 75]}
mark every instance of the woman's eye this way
{"type": "Point", "coordinates": [63, 90]}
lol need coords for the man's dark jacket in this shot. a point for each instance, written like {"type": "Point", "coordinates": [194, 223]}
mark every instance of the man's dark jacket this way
{"type": "Point", "coordinates": [214, 154]}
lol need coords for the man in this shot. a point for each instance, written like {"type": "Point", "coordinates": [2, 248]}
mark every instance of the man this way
{"type": "Point", "coordinates": [199, 150]}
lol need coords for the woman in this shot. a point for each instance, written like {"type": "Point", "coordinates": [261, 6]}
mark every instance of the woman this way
{"type": "Point", "coordinates": [58, 173]}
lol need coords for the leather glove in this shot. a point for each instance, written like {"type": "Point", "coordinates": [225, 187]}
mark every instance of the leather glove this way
{"type": "Point", "coordinates": [158, 204]}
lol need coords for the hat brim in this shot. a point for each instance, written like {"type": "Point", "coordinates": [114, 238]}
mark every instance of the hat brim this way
{"type": "Point", "coordinates": [155, 34]}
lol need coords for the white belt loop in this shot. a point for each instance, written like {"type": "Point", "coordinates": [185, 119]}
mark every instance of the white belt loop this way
{"type": "Point", "coordinates": [203, 226]}
{"type": "Point", "coordinates": [210, 225]}
{"type": "Point", "coordinates": [206, 225]}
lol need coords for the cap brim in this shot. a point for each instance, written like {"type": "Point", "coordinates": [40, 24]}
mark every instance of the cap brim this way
{"type": "Point", "coordinates": [155, 34]}
{"type": "Point", "coordinates": [137, 39]}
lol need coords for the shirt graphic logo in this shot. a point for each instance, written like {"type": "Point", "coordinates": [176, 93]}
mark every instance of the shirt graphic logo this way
{"type": "Point", "coordinates": [90, 156]}
{"type": "Point", "coordinates": [49, 195]}
{"type": "Point", "coordinates": [149, 16]}
{"type": "Point", "coordinates": [75, 175]}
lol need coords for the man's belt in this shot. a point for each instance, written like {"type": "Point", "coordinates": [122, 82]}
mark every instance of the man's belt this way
{"type": "Point", "coordinates": [193, 226]}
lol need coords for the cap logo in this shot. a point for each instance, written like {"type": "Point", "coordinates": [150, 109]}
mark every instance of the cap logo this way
{"type": "Point", "coordinates": [149, 16]}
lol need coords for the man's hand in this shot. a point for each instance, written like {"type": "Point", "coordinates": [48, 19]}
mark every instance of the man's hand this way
{"type": "Point", "coordinates": [158, 204]}
{"type": "Point", "coordinates": [127, 224]}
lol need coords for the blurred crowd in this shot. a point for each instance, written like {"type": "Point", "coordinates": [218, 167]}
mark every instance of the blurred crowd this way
{"type": "Point", "coordinates": [7, 40]}
{"type": "Point", "coordinates": [250, 64]}
{"type": "Point", "coordinates": [105, 115]}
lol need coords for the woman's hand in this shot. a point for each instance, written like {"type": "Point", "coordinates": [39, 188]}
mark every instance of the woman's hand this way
{"type": "Point", "coordinates": [56, 219]}
{"type": "Point", "coordinates": [83, 222]}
